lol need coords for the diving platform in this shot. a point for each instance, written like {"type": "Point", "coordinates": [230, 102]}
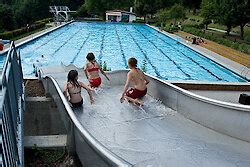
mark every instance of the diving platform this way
{"type": "Point", "coordinates": [61, 13]}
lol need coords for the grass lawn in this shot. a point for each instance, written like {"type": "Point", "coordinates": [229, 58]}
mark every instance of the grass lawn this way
{"type": "Point", "coordinates": [191, 25]}
{"type": "Point", "coordinates": [197, 19]}
{"type": "Point", "coordinates": [27, 34]}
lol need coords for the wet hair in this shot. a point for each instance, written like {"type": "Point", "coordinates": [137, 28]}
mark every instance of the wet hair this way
{"type": "Point", "coordinates": [90, 56]}
{"type": "Point", "coordinates": [72, 78]}
{"type": "Point", "coordinates": [132, 62]}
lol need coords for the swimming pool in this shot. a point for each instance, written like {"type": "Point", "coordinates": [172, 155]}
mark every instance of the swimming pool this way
{"type": "Point", "coordinates": [112, 43]}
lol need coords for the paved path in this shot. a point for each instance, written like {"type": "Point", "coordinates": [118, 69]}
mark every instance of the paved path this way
{"type": "Point", "coordinates": [223, 31]}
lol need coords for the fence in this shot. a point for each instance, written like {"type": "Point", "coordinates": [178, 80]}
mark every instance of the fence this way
{"type": "Point", "coordinates": [11, 111]}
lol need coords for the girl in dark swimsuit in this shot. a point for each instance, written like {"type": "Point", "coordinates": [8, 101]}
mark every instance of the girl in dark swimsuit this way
{"type": "Point", "coordinates": [91, 70]}
{"type": "Point", "coordinates": [72, 90]}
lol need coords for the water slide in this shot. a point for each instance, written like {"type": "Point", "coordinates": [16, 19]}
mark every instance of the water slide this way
{"type": "Point", "coordinates": [174, 128]}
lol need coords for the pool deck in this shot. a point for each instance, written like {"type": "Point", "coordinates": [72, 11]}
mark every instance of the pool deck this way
{"type": "Point", "coordinates": [226, 96]}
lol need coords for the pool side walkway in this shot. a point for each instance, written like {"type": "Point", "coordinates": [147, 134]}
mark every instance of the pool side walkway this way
{"type": "Point", "coordinates": [222, 50]}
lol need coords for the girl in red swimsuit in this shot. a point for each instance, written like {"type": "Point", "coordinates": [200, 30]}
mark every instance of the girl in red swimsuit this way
{"type": "Point", "coordinates": [91, 70]}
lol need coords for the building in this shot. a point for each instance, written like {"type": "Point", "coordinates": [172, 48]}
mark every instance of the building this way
{"type": "Point", "coordinates": [120, 16]}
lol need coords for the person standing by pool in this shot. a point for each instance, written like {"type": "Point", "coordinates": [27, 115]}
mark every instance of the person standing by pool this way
{"type": "Point", "coordinates": [140, 81]}
{"type": "Point", "coordinates": [72, 90]}
{"type": "Point", "coordinates": [92, 69]}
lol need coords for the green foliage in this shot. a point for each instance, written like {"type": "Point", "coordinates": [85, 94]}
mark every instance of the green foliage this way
{"type": "Point", "coordinates": [6, 19]}
{"type": "Point", "coordinates": [242, 47]}
{"type": "Point", "coordinates": [162, 16]}
{"type": "Point", "coordinates": [139, 21]}
{"type": "Point", "coordinates": [47, 156]}
{"type": "Point", "coordinates": [144, 7]}
{"type": "Point", "coordinates": [21, 31]}
{"type": "Point", "coordinates": [105, 67]}
{"type": "Point", "coordinates": [227, 12]}
{"type": "Point", "coordinates": [177, 12]}
{"type": "Point", "coordinates": [18, 13]}
{"type": "Point", "coordinates": [161, 4]}
{"type": "Point", "coordinates": [193, 4]}
{"type": "Point", "coordinates": [98, 7]}
{"type": "Point", "coordinates": [82, 11]}
{"type": "Point", "coordinates": [207, 11]}
{"type": "Point", "coordinates": [144, 66]}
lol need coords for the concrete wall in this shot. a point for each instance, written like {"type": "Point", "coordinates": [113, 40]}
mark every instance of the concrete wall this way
{"type": "Point", "coordinates": [42, 118]}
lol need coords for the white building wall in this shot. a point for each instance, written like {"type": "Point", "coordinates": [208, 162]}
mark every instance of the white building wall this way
{"type": "Point", "coordinates": [115, 14]}
{"type": "Point", "coordinates": [132, 18]}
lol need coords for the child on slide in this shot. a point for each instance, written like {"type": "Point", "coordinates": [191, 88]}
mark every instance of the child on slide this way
{"type": "Point", "coordinates": [91, 70]}
{"type": "Point", "coordinates": [140, 81]}
{"type": "Point", "coordinates": [72, 90]}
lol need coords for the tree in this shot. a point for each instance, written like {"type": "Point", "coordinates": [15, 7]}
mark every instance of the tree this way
{"type": "Point", "coordinates": [208, 11]}
{"type": "Point", "coordinates": [6, 19]}
{"type": "Point", "coordinates": [144, 7]}
{"type": "Point", "coordinates": [177, 12]}
{"type": "Point", "coordinates": [163, 15]}
{"type": "Point", "coordinates": [162, 4]}
{"type": "Point", "coordinates": [82, 11]}
{"type": "Point", "coordinates": [98, 7]}
{"type": "Point", "coordinates": [225, 14]}
{"type": "Point", "coordinates": [194, 4]}
{"type": "Point", "coordinates": [242, 14]}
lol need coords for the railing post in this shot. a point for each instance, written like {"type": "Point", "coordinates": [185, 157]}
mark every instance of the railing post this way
{"type": "Point", "coordinates": [11, 109]}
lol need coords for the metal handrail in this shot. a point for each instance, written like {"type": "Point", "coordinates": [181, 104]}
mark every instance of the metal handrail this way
{"type": "Point", "coordinates": [11, 109]}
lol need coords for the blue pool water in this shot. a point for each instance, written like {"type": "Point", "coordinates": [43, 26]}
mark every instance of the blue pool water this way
{"type": "Point", "coordinates": [159, 54]}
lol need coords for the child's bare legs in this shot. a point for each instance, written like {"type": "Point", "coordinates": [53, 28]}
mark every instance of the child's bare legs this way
{"type": "Point", "coordinates": [134, 101]}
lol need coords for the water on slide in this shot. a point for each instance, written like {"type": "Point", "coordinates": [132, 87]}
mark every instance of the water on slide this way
{"type": "Point", "coordinates": [157, 135]}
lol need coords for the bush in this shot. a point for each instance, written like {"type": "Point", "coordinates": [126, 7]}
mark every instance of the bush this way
{"type": "Point", "coordinates": [21, 31]}
{"type": "Point", "coordinates": [92, 19]}
{"type": "Point", "coordinates": [47, 20]}
{"type": "Point", "coordinates": [6, 19]}
{"type": "Point", "coordinates": [139, 21]}
{"type": "Point", "coordinates": [200, 32]}
{"type": "Point", "coordinates": [6, 35]}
